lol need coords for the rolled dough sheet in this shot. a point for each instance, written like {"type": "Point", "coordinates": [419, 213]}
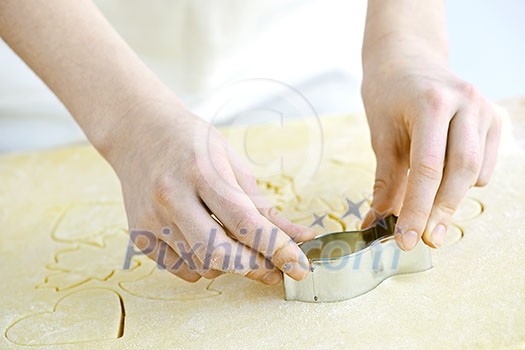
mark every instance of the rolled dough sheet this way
{"type": "Point", "coordinates": [64, 242]}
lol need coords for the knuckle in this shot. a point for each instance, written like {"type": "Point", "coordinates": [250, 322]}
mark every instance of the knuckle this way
{"type": "Point", "coordinates": [280, 254]}
{"type": "Point", "coordinates": [380, 185]}
{"type": "Point", "coordinates": [246, 224]}
{"type": "Point", "coordinates": [469, 162]}
{"type": "Point", "coordinates": [436, 99]}
{"type": "Point", "coordinates": [447, 207]}
{"type": "Point", "coordinates": [429, 169]}
{"type": "Point", "coordinates": [469, 92]}
{"type": "Point", "coordinates": [163, 187]}
{"type": "Point", "coordinates": [416, 213]}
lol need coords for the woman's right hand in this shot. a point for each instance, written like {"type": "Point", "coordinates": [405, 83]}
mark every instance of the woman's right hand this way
{"type": "Point", "coordinates": [176, 170]}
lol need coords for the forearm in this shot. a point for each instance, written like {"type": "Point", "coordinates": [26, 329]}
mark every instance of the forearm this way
{"type": "Point", "coordinates": [397, 29]}
{"type": "Point", "coordinates": [82, 59]}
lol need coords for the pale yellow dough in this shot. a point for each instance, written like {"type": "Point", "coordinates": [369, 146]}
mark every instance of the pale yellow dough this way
{"type": "Point", "coordinates": [63, 243]}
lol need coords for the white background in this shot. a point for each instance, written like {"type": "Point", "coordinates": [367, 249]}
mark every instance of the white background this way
{"type": "Point", "coordinates": [487, 48]}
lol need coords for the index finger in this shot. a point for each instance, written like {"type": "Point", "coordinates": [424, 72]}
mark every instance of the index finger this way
{"type": "Point", "coordinates": [427, 156]}
{"type": "Point", "coordinates": [227, 200]}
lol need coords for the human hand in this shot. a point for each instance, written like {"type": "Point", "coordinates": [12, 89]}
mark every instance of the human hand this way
{"type": "Point", "coordinates": [176, 170]}
{"type": "Point", "coordinates": [160, 152]}
{"type": "Point", "coordinates": [424, 118]}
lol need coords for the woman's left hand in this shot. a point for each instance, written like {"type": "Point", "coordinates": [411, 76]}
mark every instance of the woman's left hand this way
{"type": "Point", "coordinates": [424, 119]}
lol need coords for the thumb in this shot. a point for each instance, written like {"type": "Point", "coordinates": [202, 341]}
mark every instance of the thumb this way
{"type": "Point", "coordinates": [389, 188]}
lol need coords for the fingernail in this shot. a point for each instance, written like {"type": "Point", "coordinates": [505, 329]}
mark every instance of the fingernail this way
{"type": "Point", "coordinates": [438, 235]}
{"type": "Point", "coordinates": [272, 277]}
{"type": "Point", "coordinates": [409, 239]}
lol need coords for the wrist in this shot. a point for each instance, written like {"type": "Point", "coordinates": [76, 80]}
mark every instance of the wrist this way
{"type": "Point", "coordinates": [126, 126]}
{"type": "Point", "coordinates": [395, 51]}
{"type": "Point", "coordinates": [403, 32]}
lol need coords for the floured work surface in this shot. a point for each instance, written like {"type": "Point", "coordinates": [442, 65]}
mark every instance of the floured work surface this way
{"type": "Point", "coordinates": [64, 241]}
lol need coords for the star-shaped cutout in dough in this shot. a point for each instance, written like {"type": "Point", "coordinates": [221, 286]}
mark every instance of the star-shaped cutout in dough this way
{"type": "Point", "coordinates": [353, 208]}
{"type": "Point", "coordinates": [318, 220]}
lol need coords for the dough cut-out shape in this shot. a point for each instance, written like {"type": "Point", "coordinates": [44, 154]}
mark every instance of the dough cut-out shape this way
{"type": "Point", "coordinates": [280, 189]}
{"type": "Point", "coordinates": [87, 315]}
{"type": "Point", "coordinates": [83, 263]}
{"type": "Point", "coordinates": [454, 234]}
{"type": "Point", "coordinates": [489, 248]}
{"type": "Point", "coordinates": [169, 287]}
{"type": "Point", "coordinates": [89, 222]}
{"type": "Point", "coordinates": [468, 209]}
{"type": "Point", "coordinates": [334, 221]}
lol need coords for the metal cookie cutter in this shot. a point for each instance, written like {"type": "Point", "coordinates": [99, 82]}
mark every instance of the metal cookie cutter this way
{"type": "Point", "coordinates": [346, 264]}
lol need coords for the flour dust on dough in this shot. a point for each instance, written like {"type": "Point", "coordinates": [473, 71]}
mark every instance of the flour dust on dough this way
{"type": "Point", "coordinates": [474, 296]}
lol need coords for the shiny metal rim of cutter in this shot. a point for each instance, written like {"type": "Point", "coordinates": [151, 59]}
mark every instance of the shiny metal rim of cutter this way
{"type": "Point", "coordinates": [346, 264]}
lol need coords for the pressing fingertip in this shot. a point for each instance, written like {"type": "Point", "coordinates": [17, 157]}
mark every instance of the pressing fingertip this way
{"type": "Point", "coordinates": [437, 237]}
{"type": "Point", "coordinates": [408, 240]}
{"type": "Point", "coordinates": [299, 269]}
{"type": "Point", "coordinates": [295, 270]}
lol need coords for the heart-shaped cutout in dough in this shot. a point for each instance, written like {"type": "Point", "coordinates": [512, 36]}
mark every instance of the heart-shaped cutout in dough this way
{"type": "Point", "coordinates": [83, 316]}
